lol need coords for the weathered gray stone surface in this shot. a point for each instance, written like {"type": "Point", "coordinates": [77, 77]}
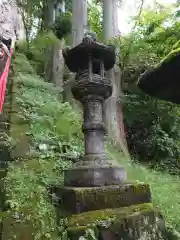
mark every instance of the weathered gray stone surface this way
{"type": "Point", "coordinates": [11, 24]}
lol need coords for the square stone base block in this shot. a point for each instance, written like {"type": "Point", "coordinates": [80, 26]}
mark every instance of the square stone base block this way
{"type": "Point", "coordinates": [139, 222]}
{"type": "Point", "coordinates": [78, 200]}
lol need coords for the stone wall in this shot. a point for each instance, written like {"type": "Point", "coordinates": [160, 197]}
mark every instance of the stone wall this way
{"type": "Point", "coordinates": [11, 24]}
{"type": "Point", "coordinates": [17, 126]}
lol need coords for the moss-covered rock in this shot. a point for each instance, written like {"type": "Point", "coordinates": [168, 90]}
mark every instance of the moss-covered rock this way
{"type": "Point", "coordinates": [128, 223]}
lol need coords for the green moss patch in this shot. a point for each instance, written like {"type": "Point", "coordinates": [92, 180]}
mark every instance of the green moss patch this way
{"type": "Point", "coordinates": [91, 217]}
{"type": "Point", "coordinates": [125, 223]}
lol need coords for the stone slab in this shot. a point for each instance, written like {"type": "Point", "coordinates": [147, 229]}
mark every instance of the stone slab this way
{"type": "Point", "coordinates": [140, 222]}
{"type": "Point", "coordinates": [78, 200]}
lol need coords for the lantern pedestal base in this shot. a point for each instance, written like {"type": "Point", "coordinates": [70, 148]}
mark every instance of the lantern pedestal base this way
{"type": "Point", "coordinates": [94, 176]}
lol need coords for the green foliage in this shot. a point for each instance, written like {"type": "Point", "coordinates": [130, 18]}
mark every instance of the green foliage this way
{"type": "Point", "coordinates": [22, 68]}
{"type": "Point", "coordinates": [62, 26]}
{"type": "Point", "coordinates": [38, 51]}
{"type": "Point", "coordinates": [26, 186]}
{"type": "Point", "coordinates": [152, 126]}
{"type": "Point", "coordinates": [149, 41]}
{"type": "Point", "coordinates": [33, 7]}
{"type": "Point", "coordinates": [68, 5]}
{"type": "Point", "coordinates": [151, 21]}
{"type": "Point", "coordinates": [34, 16]}
{"type": "Point", "coordinates": [30, 10]}
{"type": "Point", "coordinates": [54, 124]}
{"type": "Point", "coordinates": [95, 19]}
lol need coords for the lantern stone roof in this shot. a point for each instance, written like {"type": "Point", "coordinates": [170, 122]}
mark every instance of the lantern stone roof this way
{"type": "Point", "coordinates": [163, 80]}
{"type": "Point", "coordinates": [78, 57]}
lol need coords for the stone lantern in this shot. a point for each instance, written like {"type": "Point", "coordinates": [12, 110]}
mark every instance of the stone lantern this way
{"type": "Point", "coordinates": [90, 60]}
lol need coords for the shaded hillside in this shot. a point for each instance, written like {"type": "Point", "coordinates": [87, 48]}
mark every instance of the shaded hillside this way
{"type": "Point", "coordinates": [52, 123]}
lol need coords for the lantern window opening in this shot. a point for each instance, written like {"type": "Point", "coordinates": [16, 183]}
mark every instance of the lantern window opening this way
{"type": "Point", "coordinates": [101, 66]}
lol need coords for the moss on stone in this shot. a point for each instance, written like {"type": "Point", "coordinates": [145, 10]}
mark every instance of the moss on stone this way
{"type": "Point", "coordinates": [77, 200]}
{"type": "Point", "coordinates": [91, 217]}
{"type": "Point", "coordinates": [132, 222]}
{"type": "Point", "coordinates": [169, 57]}
{"type": "Point", "coordinates": [92, 192]}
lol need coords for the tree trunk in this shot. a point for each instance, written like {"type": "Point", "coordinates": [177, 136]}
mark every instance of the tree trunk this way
{"type": "Point", "coordinates": [57, 57]}
{"type": "Point", "coordinates": [79, 26]}
{"type": "Point", "coordinates": [107, 19]}
{"type": "Point", "coordinates": [55, 64]}
{"type": "Point", "coordinates": [48, 14]}
{"type": "Point", "coordinates": [60, 7]}
{"type": "Point", "coordinates": [79, 20]}
{"type": "Point", "coordinates": [115, 7]}
{"type": "Point", "coordinates": [47, 23]}
{"type": "Point", "coordinates": [58, 66]}
{"type": "Point", "coordinates": [113, 113]}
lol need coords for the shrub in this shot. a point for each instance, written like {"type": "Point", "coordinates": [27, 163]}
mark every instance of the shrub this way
{"type": "Point", "coordinates": [153, 129]}
{"type": "Point", "coordinates": [62, 26]}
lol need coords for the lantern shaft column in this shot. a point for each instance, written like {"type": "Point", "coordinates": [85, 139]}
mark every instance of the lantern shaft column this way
{"type": "Point", "coordinates": [93, 126]}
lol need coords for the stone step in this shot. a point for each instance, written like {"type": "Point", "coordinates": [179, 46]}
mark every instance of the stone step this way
{"type": "Point", "coordinates": [78, 200]}
{"type": "Point", "coordinates": [138, 222]}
